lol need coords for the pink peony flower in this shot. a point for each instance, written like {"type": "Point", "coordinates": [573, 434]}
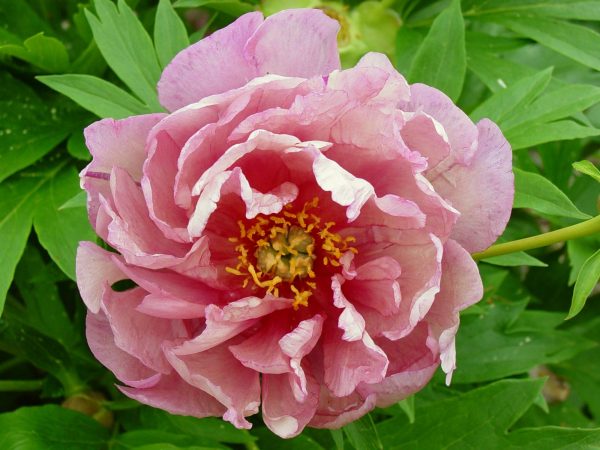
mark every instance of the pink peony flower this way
{"type": "Point", "coordinates": [299, 236]}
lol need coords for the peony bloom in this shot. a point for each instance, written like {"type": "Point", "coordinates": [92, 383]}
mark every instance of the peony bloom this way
{"type": "Point", "coordinates": [299, 237]}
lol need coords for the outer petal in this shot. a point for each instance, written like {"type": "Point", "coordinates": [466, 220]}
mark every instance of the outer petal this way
{"type": "Point", "coordinates": [483, 191]}
{"type": "Point", "coordinates": [296, 43]}
{"type": "Point", "coordinates": [460, 287]}
{"type": "Point", "coordinates": [335, 412]}
{"type": "Point", "coordinates": [213, 65]}
{"type": "Point", "coordinates": [176, 396]}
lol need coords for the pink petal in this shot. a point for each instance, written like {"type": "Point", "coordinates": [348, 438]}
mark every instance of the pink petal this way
{"type": "Point", "coordinates": [213, 65]}
{"type": "Point", "coordinates": [483, 191]}
{"type": "Point", "coordinates": [335, 412]}
{"type": "Point", "coordinates": [176, 396]}
{"type": "Point", "coordinates": [261, 351]}
{"type": "Point", "coordinates": [350, 320]}
{"type": "Point", "coordinates": [424, 134]}
{"type": "Point", "coordinates": [218, 373]}
{"type": "Point", "coordinates": [283, 414]}
{"type": "Point", "coordinates": [347, 364]}
{"type": "Point", "coordinates": [461, 286]}
{"type": "Point", "coordinates": [130, 328]}
{"type": "Point", "coordinates": [231, 320]}
{"type": "Point", "coordinates": [166, 307]}
{"type": "Point", "coordinates": [126, 368]}
{"type": "Point", "coordinates": [96, 271]}
{"type": "Point", "coordinates": [295, 43]}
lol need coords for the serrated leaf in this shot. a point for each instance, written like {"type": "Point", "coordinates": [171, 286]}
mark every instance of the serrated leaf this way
{"type": "Point", "coordinates": [580, 43]}
{"type": "Point", "coordinates": [441, 59]}
{"type": "Point", "coordinates": [61, 230]}
{"type": "Point", "coordinates": [362, 434]}
{"type": "Point", "coordinates": [170, 35]}
{"type": "Point", "coordinates": [127, 48]}
{"type": "Point", "coordinates": [511, 99]}
{"type": "Point", "coordinates": [586, 281]}
{"type": "Point", "coordinates": [536, 192]}
{"type": "Point", "coordinates": [51, 427]}
{"type": "Point", "coordinates": [47, 53]}
{"type": "Point", "coordinates": [453, 424]}
{"type": "Point", "coordinates": [588, 168]}
{"type": "Point", "coordinates": [96, 95]}
{"type": "Point", "coordinates": [526, 136]}
{"type": "Point", "coordinates": [29, 127]}
{"type": "Point", "coordinates": [515, 259]}
{"type": "Point", "coordinates": [232, 7]}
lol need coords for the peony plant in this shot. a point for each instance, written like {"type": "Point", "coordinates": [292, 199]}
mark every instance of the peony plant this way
{"type": "Point", "coordinates": [299, 236]}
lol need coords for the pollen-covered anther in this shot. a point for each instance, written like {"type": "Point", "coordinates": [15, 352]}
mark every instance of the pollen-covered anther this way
{"type": "Point", "coordinates": [283, 250]}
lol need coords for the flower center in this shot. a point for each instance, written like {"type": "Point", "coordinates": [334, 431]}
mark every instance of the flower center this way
{"type": "Point", "coordinates": [281, 252]}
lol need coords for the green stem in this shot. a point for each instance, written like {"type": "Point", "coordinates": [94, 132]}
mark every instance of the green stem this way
{"type": "Point", "coordinates": [582, 229]}
{"type": "Point", "coordinates": [20, 385]}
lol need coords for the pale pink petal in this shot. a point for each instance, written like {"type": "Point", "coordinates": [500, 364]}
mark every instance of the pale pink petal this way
{"type": "Point", "coordinates": [424, 134]}
{"type": "Point", "coordinates": [96, 271]}
{"type": "Point", "coordinates": [126, 368]}
{"type": "Point", "coordinates": [483, 191]}
{"type": "Point", "coordinates": [350, 320]}
{"type": "Point", "coordinates": [396, 88]}
{"type": "Point", "coordinates": [461, 132]}
{"type": "Point", "coordinates": [166, 307]}
{"type": "Point", "coordinates": [261, 351]}
{"type": "Point", "coordinates": [224, 323]}
{"type": "Point", "coordinates": [460, 287]}
{"type": "Point", "coordinates": [213, 65]}
{"type": "Point", "coordinates": [347, 364]}
{"type": "Point", "coordinates": [130, 328]}
{"type": "Point", "coordinates": [295, 43]}
{"type": "Point", "coordinates": [176, 396]}
{"type": "Point", "coordinates": [283, 414]}
{"type": "Point", "coordinates": [218, 373]}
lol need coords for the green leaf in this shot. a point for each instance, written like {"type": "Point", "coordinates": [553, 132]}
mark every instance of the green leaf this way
{"type": "Point", "coordinates": [515, 259]}
{"type": "Point", "coordinates": [478, 419]}
{"type": "Point", "coordinates": [60, 230]}
{"type": "Point", "coordinates": [441, 59]}
{"type": "Point", "coordinates": [586, 281]}
{"type": "Point", "coordinates": [96, 95]}
{"type": "Point", "coordinates": [362, 434]}
{"type": "Point", "coordinates": [408, 406]}
{"type": "Point", "coordinates": [536, 192]}
{"type": "Point", "coordinates": [557, 104]}
{"type": "Point", "coordinates": [501, 341]}
{"type": "Point", "coordinates": [555, 438]}
{"type": "Point", "coordinates": [580, 43]}
{"type": "Point", "coordinates": [170, 35]}
{"type": "Point", "coordinates": [232, 7]}
{"type": "Point", "coordinates": [50, 427]}
{"type": "Point", "coordinates": [47, 53]}
{"type": "Point", "coordinates": [563, 9]}
{"type": "Point", "coordinates": [158, 439]}
{"type": "Point", "coordinates": [29, 127]}
{"type": "Point", "coordinates": [268, 440]}
{"type": "Point", "coordinates": [536, 134]}
{"type": "Point", "coordinates": [588, 168]}
{"type": "Point", "coordinates": [76, 146]}
{"type": "Point", "coordinates": [408, 41]}
{"type": "Point", "coordinates": [127, 48]}
{"type": "Point", "coordinates": [510, 100]}
{"type": "Point", "coordinates": [79, 200]}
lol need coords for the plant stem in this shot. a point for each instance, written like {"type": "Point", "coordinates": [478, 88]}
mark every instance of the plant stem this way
{"type": "Point", "coordinates": [582, 229]}
{"type": "Point", "coordinates": [20, 385]}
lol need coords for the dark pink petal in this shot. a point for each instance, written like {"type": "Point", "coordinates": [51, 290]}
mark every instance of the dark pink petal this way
{"type": "Point", "coordinates": [131, 328]}
{"type": "Point", "coordinates": [460, 287]}
{"type": "Point", "coordinates": [176, 396]}
{"type": "Point", "coordinates": [483, 191]}
{"type": "Point", "coordinates": [218, 373]}
{"type": "Point", "coordinates": [96, 272]}
{"type": "Point", "coordinates": [213, 65]}
{"type": "Point", "coordinates": [413, 360]}
{"type": "Point", "coordinates": [283, 414]}
{"type": "Point", "coordinates": [335, 412]}
{"type": "Point", "coordinates": [347, 364]}
{"type": "Point", "coordinates": [126, 368]}
{"type": "Point", "coordinates": [295, 43]}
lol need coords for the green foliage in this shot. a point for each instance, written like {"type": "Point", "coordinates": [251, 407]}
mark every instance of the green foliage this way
{"type": "Point", "coordinates": [531, 66]}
